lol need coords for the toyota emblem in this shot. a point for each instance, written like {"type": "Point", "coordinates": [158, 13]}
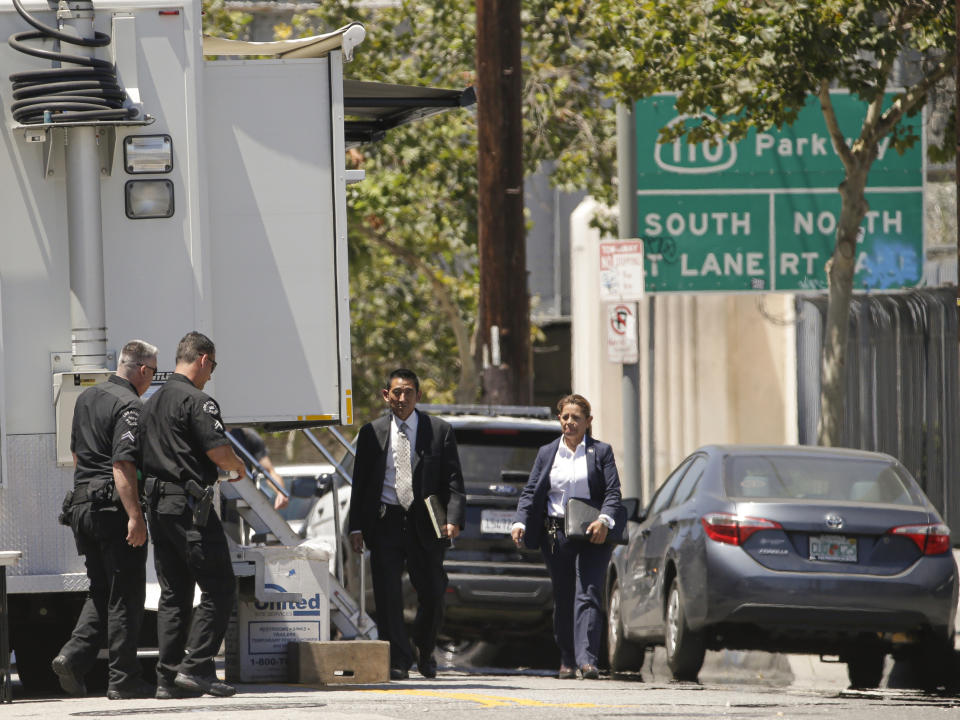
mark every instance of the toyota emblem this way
{"type": "Point", "coordinates": [833, 521]}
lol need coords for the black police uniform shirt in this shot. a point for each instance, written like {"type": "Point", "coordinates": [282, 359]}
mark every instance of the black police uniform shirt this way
{"type": "Point", "coordinates": [105, 429]}
{"type": "Point", "coordinates": [179, 424]}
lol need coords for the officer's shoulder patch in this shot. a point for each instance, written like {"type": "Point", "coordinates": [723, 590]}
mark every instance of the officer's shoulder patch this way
{"type": "Point", "coordinates": [210, 407]}
{"type": "Point", "coordinates": [131, 417]}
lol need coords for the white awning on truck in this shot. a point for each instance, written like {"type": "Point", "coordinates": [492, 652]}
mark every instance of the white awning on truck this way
{"type": "Point", "coordinates": [347, 38]}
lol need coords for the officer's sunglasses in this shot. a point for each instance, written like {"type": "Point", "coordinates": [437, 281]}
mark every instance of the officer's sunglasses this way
{"type": "Point", "coordinates": [213, 364]}
{"type": "Point", "coordinates": [152, 369]}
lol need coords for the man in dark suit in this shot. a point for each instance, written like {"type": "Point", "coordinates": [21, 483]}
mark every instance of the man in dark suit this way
{"type": "Point", "coordinates": [403, 458]}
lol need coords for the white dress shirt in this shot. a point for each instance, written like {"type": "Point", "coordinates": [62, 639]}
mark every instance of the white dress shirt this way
{"type": "Point", "coordinates": [389, 494]}
{"type": "Point", "coordinates": [568, 478]}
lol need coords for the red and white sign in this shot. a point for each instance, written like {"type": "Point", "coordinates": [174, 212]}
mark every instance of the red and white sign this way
{"type": "Point", "coordinates": [621, 270]}
{"type": "Point", "coordinates": [622, 333]}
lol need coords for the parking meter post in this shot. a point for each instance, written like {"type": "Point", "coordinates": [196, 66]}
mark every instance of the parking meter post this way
{"type": "Point", "coordinates": [338, 538]}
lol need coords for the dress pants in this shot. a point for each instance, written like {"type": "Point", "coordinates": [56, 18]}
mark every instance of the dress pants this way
{"type": "Point", "coordinates": [577, 569]}
{"type": "Point", "coordinates": [113, 609]}
{"type": "Point", "coordinates": [185, 556]}
{"type": "Point", "coordinates": [395, 543]}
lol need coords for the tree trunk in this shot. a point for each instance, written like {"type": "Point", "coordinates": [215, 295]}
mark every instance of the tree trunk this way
{"type": "Point", "coordinates": [840, 271]}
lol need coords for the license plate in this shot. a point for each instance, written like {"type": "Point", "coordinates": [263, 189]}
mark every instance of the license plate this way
{"type": "Point", "coordinates": [496, 522]}
{"type": "Point", "coordinates": [833, 547]}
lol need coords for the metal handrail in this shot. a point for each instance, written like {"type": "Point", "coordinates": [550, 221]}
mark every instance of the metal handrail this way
{"type": "Point", "coordinates": [338, 542]}
{"type": "Point", "coordinates": [328, 455]}
{"type": "Point", "coordinates": [249, 458]}
{"type": "Point", "coordinates": [342, 440]}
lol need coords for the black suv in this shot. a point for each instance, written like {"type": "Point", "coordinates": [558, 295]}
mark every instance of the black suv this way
{"type": "Point", "coordinates": [496, 592]}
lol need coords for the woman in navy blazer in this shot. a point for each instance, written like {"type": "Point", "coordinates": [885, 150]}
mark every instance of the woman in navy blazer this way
{"type": "Point", "coordinates": [573, 465]}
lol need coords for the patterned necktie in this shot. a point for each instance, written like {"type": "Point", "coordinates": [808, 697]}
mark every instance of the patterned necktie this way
{"type": "Point", "coordinates": [404, 479]}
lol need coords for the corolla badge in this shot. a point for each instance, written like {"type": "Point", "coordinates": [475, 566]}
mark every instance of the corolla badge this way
{"type": "Point", "coordinates": [503, 489]}
{"type": "Point", "coordinates": [833, 521]}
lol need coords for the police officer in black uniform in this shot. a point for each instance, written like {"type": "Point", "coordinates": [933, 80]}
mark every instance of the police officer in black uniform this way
{"type": "Point", "coordinates": [183, 445]}
{"type": "Point", "coordinates": [103, 509]}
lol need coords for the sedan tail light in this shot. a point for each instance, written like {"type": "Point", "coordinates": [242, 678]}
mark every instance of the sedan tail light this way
{"type": "Point", "coordinates": [734, 529]}
{"type": "Point", "coordinates": [932, 539]}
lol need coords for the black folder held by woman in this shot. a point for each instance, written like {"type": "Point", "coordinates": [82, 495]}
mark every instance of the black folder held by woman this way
{"type": "Point", "coordinates": [580, 513]}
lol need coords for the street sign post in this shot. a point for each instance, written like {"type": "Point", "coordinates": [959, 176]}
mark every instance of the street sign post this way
{"type": "Point", "coordinates": [761, 214]}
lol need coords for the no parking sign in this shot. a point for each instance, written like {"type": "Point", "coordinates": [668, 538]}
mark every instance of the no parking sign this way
{"type": "Point", "coordinates": [622, 332]}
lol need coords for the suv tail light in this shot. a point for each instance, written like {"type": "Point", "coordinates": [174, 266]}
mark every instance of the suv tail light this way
{"type": "Point", "coordinates": [734, 529]}
{"type": "Point", "coordinates": [932, 539]}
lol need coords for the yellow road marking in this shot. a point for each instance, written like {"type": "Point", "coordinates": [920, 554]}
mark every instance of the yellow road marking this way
{"type": "Point", "coordinates": [492, 700]}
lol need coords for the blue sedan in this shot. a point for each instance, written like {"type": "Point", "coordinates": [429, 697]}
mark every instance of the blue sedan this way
{"type": "Point", "coordinates": [815, 550]}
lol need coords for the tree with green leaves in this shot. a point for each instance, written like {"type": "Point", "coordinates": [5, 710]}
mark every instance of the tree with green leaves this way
{"type": "Point", "coordinates": [413, 220]}
{"type": "Point", "coordinates": [742, 64]}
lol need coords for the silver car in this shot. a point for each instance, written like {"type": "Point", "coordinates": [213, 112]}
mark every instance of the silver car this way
{"type": "Point", "coordinates": [795, 549]}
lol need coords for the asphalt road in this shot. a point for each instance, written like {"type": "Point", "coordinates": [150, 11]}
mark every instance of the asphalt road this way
{"type": "Point", "coordinates": [733, 685]}
{"type": "Point", "coordinates": [484, 696]}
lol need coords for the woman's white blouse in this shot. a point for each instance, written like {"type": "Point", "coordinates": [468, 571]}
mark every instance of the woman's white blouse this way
{"type": "Point", "coordinates": [568, 478]}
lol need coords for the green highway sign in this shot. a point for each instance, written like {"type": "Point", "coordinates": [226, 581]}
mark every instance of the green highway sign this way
{"type": "Point", "coordinates": [761, 214]}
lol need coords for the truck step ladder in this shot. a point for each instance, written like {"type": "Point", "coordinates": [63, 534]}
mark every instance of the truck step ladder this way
{"type": "Point", "coordinates": [258, 512]}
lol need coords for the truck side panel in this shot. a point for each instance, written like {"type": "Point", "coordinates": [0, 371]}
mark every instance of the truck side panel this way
{"type": "Point", "coordinates": [271, 193]}
{"type": "Point", "coordinates": [154, 269]}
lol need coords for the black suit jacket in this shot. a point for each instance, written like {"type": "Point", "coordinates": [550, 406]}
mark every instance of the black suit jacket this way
{"type": "Point", "coordinates": [436, 471]}
{"type": "Point", "coordinates": [602, 476]}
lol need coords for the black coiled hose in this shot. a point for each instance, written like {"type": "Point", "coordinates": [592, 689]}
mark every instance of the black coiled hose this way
{"type": "Point", "coordinates": [65, 94]}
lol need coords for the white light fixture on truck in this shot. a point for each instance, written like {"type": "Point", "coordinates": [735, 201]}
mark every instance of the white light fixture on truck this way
{"type": "Point", "coordinates": [148, 154]}
{"type": "Point", "coordinates": [149, 199]}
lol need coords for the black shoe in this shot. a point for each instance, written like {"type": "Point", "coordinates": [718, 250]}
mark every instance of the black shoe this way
{"type": "Point", "coordinates": [71, 683]}
{"type": "Point", "coordinates": [399, 673]}
{"type": "Point", "coordinates": [172, 692]}
{"type": "Point", "coordinates": [210, 685]}
{"type": "Point", "coordinates": [140, 689]}
{"type": "Point", "coordinates": [427, 665]}
{"type": "Point", "coordinates": [589, 672]}
{"type": "Point", "coordinates": [566, 673]}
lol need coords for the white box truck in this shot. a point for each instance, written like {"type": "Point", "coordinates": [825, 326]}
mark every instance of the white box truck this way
{"type": "Point", "coordinates": [209, 195]}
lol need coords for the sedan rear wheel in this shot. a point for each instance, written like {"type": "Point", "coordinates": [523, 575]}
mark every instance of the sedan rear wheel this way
{"type": "Point", "coordinates": [623, 654]}
{"type": "Point", "coordinates": [685, 647]}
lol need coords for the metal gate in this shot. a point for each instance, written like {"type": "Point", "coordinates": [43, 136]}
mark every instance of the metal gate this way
{"type": "Point", "coordinates": [901, 383]}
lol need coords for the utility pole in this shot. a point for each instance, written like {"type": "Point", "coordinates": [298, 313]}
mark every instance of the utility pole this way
{"type": "Point", "coordinates": [504, 312]}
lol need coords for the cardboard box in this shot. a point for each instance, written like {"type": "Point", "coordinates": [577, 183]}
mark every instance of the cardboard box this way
{"type": "Point", "coordinates": [339, 662]}
{"type": "Point", "coordinates": [260, 630]}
